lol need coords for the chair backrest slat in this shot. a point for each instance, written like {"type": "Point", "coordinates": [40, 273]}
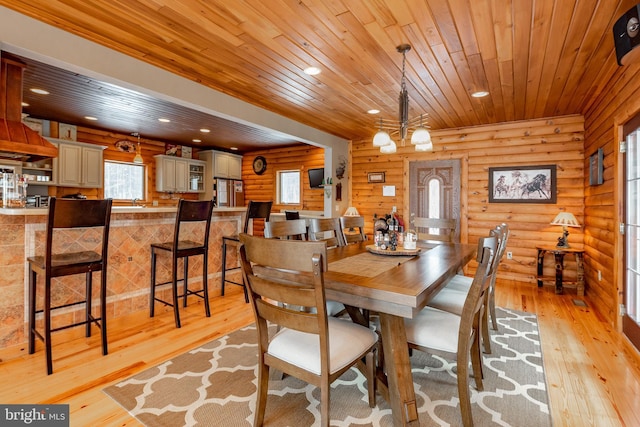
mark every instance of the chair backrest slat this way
{"type": "Point", "coordinates": [436, 229]}
{"type": "Point", "coordinates": [284, 276]}
{"type": "Point", "coordinates": [295, 228]}
{"type": "Point", "coordinates": [326, 230]}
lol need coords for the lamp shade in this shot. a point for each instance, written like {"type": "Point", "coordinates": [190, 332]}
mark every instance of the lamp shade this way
{"type": "Point", "coordinates": [388, 149]}
{"type": "Point", "coordinates": [424, 147]}
{"type": "Point", "coordinates": [566, 219]}
{"type": "Point", "coordinates": [381, 139]}
{"type": "Point", "coordinates": [420, 136]}
{"type": "Point", "coordinates": [351, 211]}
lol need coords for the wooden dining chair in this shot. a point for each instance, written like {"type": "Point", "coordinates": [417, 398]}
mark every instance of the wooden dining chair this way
{"type": "Point", "coordinates": [295, 229]}
{"type": "Point", "coordinates": [436, 230]}
{"type": "Point", "coordinates": [64, 215]}
{"type": "Point", "coordinates": [189, 212]}
{"type": "Point", "coordinates": [282, 276]}
{"type": "Point", "coordinates": [451, 336]}
{"type": "Point", "coordinates": [326, 230]}
{"type": "Point", "coordinates": [352, 229]}
{"type": "Point", "coordinates": [255, 210]}
{"type": "Point", "coordinates": [462, 283]}
{"type": "Point", "coordinates": [452, 297]}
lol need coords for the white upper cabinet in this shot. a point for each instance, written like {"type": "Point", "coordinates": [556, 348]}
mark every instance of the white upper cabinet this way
{"type": "Point", "coordinates": [172, 174]}
{"type": "Point", "coordinates": [227, 166]}
{"type": "Point", "coordinates": [79, 165]}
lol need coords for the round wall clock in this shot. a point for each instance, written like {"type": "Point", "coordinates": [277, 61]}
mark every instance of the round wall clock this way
{"type": "Point", "coordinates": [259, 165]}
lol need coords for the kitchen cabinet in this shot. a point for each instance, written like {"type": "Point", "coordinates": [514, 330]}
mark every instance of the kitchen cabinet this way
{"type": "Point", "coordinates": [79, 165]}
{"type": "Point", "coordinates": [221, 164]}
{"type": "Point", "coordinates": [172, 174]}
{"type": "Point", "coordinates": [179, 175]}
{"type": "Point", "coordinates": [196, 176]}
{"type": "Point", "coordinates": [227, 166]}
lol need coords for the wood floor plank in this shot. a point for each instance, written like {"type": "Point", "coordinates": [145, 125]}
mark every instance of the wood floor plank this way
{"type": "Point", "coordinates": [592, 373]}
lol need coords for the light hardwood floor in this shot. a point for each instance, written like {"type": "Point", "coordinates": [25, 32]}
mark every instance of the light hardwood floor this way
{"type": "Point", "coordinates": [592, 374]}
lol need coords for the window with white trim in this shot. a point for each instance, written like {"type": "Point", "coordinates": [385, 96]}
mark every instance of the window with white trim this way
{"type": "Point", "coordinates": [123, 181]}
{"type": "Point", "coordinates": [288, 187]}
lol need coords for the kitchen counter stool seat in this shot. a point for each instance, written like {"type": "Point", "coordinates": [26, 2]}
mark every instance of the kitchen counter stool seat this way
{"type": "Point", "coordinates": [188, 212]}
{"type": "Point", "coordinates": [63, 215]}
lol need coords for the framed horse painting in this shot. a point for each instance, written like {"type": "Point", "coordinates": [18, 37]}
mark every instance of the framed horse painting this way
{"type": "Point", "coordinates": [522, 184]}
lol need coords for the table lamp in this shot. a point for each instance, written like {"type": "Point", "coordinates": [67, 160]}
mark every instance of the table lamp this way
{"type": "Point", "coordinates": [565, 219]}
{"type": "Point", "coordinates": [351, 211]}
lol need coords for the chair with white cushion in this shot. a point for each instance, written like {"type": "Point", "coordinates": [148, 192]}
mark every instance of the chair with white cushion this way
{"type": "Point", "coordinates": [451, 298]}
{"type": "Point", "coordinates": [281, 276]}
{"type": "Point", "coordinates": [439, 332]}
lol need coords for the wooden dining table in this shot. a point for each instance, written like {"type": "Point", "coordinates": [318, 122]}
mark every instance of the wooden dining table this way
{"type": "Point", "coordinates": [395, 287]}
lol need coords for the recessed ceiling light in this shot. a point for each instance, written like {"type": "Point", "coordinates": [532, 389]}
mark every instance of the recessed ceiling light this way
{"type": "Point", "coordinates": [312, 71]}
{"type": "Point", "coordinates": [480, 94]}
{"type": "Point", "coordinates": [205, 130]}
{"type": "Point", "coordinates": [196, 140]}
{"type": "Point", "coordinates": [233, 148]}
{"type": "Point", "coordinates": [39, 91]}
{"type": "Point", "coordinates": [164, 120]}
{"type": "Point", "coordinates": [373, 111]}
{"type": "Point", "coordinates": [91, 118]}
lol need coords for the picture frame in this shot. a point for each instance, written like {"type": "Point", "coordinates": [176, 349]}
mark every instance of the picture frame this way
{"type": "Point", "coordinates": [596, 167]}
{"type": "Point", "coordinates": [186, 152]}
{"type": "Point", "coordinates": [523, 184]}
{"type": "Point", "coordinates": [375, 177]}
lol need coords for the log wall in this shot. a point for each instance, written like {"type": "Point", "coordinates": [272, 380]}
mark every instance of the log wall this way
{"type": "Point", "coordinates": [263, 187]}
{"type": "Point", "coordinates": [557, 140]}
{"type": "Point", "coordinates": [616, 104]}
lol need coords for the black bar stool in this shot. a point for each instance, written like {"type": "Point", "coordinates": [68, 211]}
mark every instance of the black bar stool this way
{"type": "Point", "coordinates": [255, 210]}
{"type": "Point", "coordinates": [188, 212]}
{"type": "Point", "coordinates": [67, 214]}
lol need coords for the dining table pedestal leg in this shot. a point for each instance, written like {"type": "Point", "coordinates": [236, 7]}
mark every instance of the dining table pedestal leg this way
{"type": "Point", "coordinates": [399, 381]}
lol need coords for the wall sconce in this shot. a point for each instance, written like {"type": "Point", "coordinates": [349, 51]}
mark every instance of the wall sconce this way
{"type": "Point", "coordinates": [565, 219]}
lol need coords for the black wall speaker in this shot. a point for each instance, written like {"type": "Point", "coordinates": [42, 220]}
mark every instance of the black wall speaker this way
{"type": "Point", "coordinates": [626, 32]}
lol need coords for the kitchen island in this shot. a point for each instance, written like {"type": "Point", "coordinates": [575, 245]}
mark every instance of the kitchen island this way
{"type": "Point", "coordinates": [133, 229]}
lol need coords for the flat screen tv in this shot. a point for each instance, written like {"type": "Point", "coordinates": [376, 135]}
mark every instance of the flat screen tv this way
{"type": "Point", "coordinates": [316, 176]}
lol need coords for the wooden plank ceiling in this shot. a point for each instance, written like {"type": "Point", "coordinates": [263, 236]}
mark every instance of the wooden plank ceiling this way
{"type": "Point", "coordinates": [536, 58]}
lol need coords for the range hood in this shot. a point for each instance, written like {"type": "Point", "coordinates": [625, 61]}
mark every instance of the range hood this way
{"type": "Point", "coordinates": [17, 140]}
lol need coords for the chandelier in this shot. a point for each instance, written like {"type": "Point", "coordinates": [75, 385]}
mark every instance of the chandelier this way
{"type": "Point", "coordinates": [421, 137]}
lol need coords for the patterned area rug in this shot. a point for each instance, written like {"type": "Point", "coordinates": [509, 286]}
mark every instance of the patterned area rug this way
{"type": "Point", "coordinates": [215, 385]}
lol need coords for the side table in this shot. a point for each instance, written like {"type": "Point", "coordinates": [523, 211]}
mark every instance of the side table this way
{"type": "Point", "coordinates": [559, 254]}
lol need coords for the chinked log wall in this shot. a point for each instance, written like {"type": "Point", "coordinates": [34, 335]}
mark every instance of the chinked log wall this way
{"type": "Point", "coordinates": [557, 140]}
{"type": "Point", "coordinates": [616, 103]}
{"type": "Point", "coordinates": [263, 187]}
